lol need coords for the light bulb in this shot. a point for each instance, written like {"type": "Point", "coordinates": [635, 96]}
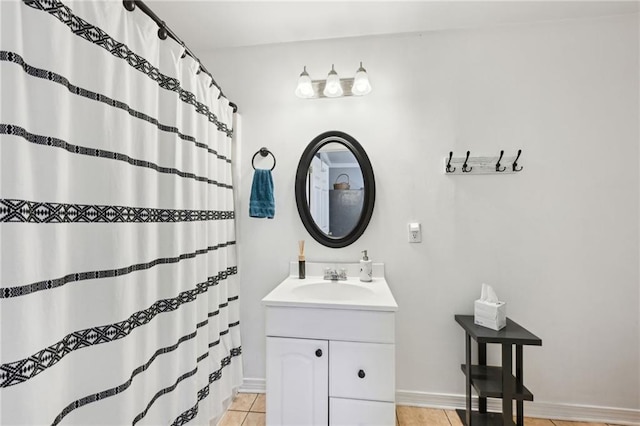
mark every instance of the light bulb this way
{"type": "Point", "coordinates": [305, 88]}
{"type": "Point", "coordinates": [332, 88]}
{"type": "Point", "coordinates": [361, 85]}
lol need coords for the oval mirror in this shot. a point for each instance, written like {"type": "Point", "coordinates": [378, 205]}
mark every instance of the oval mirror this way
{"type": "Point", "coordinates": [335, 189]}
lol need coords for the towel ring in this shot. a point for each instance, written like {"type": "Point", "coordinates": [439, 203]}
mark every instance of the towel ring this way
{"type": "Point", "coordinates": [263, 152]}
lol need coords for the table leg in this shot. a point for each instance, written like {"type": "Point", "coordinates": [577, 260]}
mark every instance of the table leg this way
{"type": "Point", "coordinates": [507, 385]}
{"type": "Point", "coordinates": [519, 380]}
{"type": "Point", "coordinates": [482, 360]}
{"type": "Point", "coordinates": [468, 378]}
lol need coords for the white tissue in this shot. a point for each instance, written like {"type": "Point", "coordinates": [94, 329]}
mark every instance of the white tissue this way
{"type": "Point", "coordinates": [488, 294]}
{"type": "Point", "coordinates": [483, 292]}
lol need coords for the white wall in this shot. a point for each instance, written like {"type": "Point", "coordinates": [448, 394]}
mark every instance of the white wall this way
{"type": "Point", "coordinates": [558, 241]}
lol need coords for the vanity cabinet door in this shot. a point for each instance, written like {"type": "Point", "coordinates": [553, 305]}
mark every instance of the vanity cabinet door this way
{"type": "Point", "coordinates": [362, 371]}
{"type": "Point", "coordinates": [352, 412]}
{"type": "Point", "coordinates": [297, 381]}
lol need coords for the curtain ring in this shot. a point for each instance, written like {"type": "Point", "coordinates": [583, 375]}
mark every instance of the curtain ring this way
{"type": "Point", "coordinates": [162, 31]}
{"type": "Point", "coordinates": [130, 5]}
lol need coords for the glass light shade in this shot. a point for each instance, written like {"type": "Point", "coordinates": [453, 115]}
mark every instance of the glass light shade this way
{"type": "Point", "coordinates": [332, 87]}
{"type": "Point", "coordinates": [361, 85]}
{"type": "Point", "coordinates": [305, 88]}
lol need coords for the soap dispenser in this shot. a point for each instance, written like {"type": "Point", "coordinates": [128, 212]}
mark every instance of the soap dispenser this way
{"type": "Point", "coordinates": [366, 268]}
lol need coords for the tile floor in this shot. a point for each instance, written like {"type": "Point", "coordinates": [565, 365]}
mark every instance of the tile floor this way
{"type": "Point", "coordinates": [248, 409]}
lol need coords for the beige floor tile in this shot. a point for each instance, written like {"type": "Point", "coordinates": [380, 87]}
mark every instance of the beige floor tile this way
{"type": "Point", "coordinates": [237, 415]}
{"type": "Point", "coordinates": [453, 417]}
{"type": "Point", "coordinates": [416, 416]}
{"type": "Point", "coordinates": [243, 401]}
{"type": "Point", "coordinates": [255, 419]}
{"type": "Point", "coordinates": [233, 418]}
{"type": "Point", "coordinates": [528, 421]}
{"type": "Point", "coordinates": [260, 404]}
{"type": "Point", "coordinates": [532, 421]}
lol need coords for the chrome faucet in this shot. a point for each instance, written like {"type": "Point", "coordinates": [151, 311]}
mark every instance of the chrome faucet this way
{"type": "Point", "coordinates": [335, 274]}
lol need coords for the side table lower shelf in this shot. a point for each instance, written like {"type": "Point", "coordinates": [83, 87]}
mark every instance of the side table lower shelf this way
{"type": "Point", "coordinates": [481, 419]}
{"type": "Point", "coordinates": [487, 381]}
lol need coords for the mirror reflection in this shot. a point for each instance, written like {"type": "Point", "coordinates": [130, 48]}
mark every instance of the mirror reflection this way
{"type": "Point", "coordinates": [335, 190]}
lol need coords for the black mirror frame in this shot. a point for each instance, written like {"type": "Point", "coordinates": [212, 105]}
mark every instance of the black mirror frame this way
{"type": "Point", "coordinates": [369, 188]}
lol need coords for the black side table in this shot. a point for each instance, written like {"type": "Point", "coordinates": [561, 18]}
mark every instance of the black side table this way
{"type": "Point", "coordinates": [495, 382]}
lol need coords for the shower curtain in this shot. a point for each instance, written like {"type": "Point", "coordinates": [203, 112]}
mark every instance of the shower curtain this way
{"type": "Point", "coordinates": [118, 280]}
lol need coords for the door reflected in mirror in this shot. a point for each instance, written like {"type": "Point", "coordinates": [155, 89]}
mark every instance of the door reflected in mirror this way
{"type": "Point", "coordinates": [335, 190]}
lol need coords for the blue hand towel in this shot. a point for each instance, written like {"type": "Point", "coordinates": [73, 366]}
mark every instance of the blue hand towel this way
{"type": "Point", "coordinates": [262, 202]}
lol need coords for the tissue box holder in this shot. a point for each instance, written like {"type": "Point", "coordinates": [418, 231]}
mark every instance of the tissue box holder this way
{"type": "Point", "coordinates": [490, 315]}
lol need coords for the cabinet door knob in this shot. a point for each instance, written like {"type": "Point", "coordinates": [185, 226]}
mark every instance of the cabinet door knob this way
{"type": "Point", "coordinates": [361, 374]}
{"type": "Point", "coordinates": [319, 353]}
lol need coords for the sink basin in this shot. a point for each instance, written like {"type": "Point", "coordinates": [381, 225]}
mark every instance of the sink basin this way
{"type": "Point", "coordinates": [333, 291]}
{"type": "Point", "coordinates": [316, 292]}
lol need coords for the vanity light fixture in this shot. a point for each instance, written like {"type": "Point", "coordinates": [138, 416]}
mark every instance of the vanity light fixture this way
{"type": "Point", "coordinates": [305, 88]}
{"type": "Point", "coordinates": [361, 85]}
{"type": "Point", "coordinates": [333, 86]}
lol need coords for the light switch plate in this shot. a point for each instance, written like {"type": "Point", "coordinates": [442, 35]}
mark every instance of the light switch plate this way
{"type": "Point", "coordinates": [415, 233]}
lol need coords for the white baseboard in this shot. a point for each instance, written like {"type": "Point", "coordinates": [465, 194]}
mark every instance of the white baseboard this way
{"type": "Point", "coordinates": [544, 410]}
{"type": "Point", "coordinates": [252, 385]}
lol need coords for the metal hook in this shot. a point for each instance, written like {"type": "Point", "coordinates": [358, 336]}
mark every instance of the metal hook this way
{"type": "Point", "coordinates": [515, 162]}
{"type": "Point", "coordinates": [498, 163]}
{"type": "Point", "coordinates": [449, 163]}
{"type": "Point", "coordinates": [464, 166]}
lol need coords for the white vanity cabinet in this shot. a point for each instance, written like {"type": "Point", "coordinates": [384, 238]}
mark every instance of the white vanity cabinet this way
{"type": "Point", "coordinates": [316, 377]}
{"type": "Point", "coordinates": [320, 382]}
{"type": "Point", "coordinates": [330, 351]}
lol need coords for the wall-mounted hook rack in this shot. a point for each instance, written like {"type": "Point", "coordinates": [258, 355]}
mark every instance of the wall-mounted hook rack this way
{"type": "Point", "coordinates": [468, 165]}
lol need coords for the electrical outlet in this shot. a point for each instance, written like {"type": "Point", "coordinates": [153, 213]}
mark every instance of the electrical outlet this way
{"type": "Point", "coordinates": [415, 234]}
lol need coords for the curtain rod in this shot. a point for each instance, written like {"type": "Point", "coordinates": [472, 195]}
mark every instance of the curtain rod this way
{"type": "Point", "coordinates": [165, 31]}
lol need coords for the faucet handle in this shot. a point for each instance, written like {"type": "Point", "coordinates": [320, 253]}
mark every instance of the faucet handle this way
{"type": "Point", "coordinates": [342, 274]}
{"type": "Point", "coordinates": [329, 273]}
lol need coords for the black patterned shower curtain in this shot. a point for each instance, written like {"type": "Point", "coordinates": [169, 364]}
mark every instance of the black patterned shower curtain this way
{"type": "Point", "coordinates": [118, 274]}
